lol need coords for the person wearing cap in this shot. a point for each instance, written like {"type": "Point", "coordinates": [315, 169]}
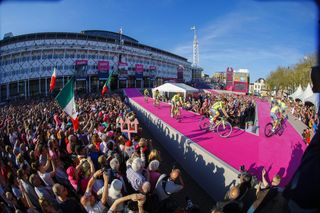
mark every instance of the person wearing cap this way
{"type": "Point", "coordinates": [114, 193]}
{"type": "Point", "coordinates": [134, 174]}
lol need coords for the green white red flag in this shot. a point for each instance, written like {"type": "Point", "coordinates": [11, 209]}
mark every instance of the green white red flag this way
{"type": "Point", "coordinates": [65, 99]}
{"type": "Point", "coordinates": [106, 86]}
{"type": "Point", "coordinates": [53, 80]}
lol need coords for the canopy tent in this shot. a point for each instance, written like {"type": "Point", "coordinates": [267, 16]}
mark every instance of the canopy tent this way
{"type": "Point", "coordinates": [314, 99]}
{"type": "Point", "coordinates": [297, 93]}
{"type": "Point", "coordinates": [175, 88]}
{"type": "Point", "coordinates": [307, 93]}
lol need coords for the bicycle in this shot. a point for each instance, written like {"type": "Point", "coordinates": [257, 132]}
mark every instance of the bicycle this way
{"type": "Point", "coordinates": [156, 102]}
{"type": "Point", "coordinates": [146, 98]}
{"type": "Point", "coordinates": [177, 113]}
{"type": "Point", "coordinates": [223, 127]}
{"type": "Point", "coordinates": [279, 130]}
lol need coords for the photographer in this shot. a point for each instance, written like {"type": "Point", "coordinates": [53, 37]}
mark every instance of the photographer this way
{"type": "Point", "coordinates": [166, 186]}
{"type": "Point", "coordinates": [265, 192]}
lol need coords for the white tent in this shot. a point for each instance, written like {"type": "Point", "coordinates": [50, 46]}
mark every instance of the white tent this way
{"type": "Point", "coordinates": [297, 93]}
{"type": "Point", "coordinates": [307, 93]}
{"type": "Point", "coordinates": [314, 99]}
{"type": "Point", "coordinates": [175, 88]}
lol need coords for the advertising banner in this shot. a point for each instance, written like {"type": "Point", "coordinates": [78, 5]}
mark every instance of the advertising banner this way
{"type": "Point", "coordinates": [240, 87]}
{"type": "Point", "coordinates": [122, 70]}
{"type": "Point", "coordinates": [81, 68]}
{"type": "Point", "coordinates": [229, 79]}
{"type": "Point", "coordinates": [180, 70]}
{"type": "Point", "coordinates": [139, 71]}
{"type": "Point", "coordinates": [103, 70]}
{"type": "Point", "coordinates": [152, 72]}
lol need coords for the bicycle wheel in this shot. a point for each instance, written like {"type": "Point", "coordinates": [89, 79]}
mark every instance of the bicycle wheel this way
{"type": "Point", "coordinates": [280, 130]}
{"type": "Point", "coordinates": [268, 130]}
{"type": "Point", "coordinates": [224, 129]}
{"type": "Point", "coordinates": [203, 124]}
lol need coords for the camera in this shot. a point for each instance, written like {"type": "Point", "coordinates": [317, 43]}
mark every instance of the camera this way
{"type": "Point", "coordinates": [247, 178]}
{"type": "Point", "coordinates": [191, 207]}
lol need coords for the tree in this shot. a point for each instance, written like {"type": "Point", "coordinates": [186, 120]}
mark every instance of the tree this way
{"type": "Point", "coordinates": [289, 78]}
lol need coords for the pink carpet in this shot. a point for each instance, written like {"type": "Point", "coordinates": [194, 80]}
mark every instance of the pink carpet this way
{"type": "Point", "coordinates": [278, 154]}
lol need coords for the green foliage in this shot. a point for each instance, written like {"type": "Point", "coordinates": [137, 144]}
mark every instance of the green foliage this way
{"type": "Point", "coordinates": [289, 78]}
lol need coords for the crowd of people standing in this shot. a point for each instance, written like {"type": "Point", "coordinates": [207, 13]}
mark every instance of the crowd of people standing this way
{"type": "Point", "coordinates": [46, 166]}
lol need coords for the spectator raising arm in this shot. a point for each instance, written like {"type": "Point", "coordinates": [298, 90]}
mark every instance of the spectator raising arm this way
{"type": "Point", "coordinates": [134, 197]}
{"type": "Point", "coordinates": [104, 197]}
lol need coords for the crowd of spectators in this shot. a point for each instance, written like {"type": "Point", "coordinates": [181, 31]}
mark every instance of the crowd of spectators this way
{"type": "Point", "coordinates": [46, 166]}
{"type": "Point", "coordinates": [305, 113]}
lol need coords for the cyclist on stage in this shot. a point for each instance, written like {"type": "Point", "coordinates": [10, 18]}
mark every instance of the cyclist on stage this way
{"type": "Point", "coordinates": [146, 95]}
{"type": "Point", "coordinates": [283, 108]}
{"type": "Point", "coordinates": [176, 101]}
{"type": "Point", "coordinates": [275, 109]}
{"type": "Point", "coordinates": [218, 108]}
{"type": "Point", "coordinates": [156, 98]}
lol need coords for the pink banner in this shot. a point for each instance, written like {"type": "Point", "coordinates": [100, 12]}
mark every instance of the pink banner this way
{"type": "Point", "coordinates": [81, 62]}
{"type": "Point", "coordinates": [103, 65]}
{"type": "Point", "coordinates": [229, 78]}
{"type": "Point", "coordinates": [240, 87]}
{"type": "Point", "coordinates": [139, 68]}
{"type": "Point", "coordinates": [122, 65]}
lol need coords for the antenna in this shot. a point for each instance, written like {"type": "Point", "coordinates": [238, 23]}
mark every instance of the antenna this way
{"type": "Point", "coordinates": [195, 49]}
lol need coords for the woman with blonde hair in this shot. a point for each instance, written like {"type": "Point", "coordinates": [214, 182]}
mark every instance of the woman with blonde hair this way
{"type": "Point", "coordinates": [154, 155]}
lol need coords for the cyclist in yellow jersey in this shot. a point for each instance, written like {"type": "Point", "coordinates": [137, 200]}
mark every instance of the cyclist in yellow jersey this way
{"type": "Point", "coordinates": [176, 101]}
{"type": "Point", "coordinates": [146, 94]}
{"type": "Point", "coordinates": [275, 109]}
{"type": "Point", "coordinates": [156, 97]}
{"type": "Point", "coordinates": [216, 109]}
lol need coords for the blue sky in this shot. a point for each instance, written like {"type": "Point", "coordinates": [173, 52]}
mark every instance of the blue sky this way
{"type": "Point", "coordinates": [257, 35]}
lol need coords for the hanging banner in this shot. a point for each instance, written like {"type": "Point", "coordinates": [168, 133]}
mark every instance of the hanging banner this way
{"type": "Point", "coordinates": [152, 72]}
{"type": "Point", "coordinates": [229, 79]}
{"type": "Point", "coordinates": [180, 70]}
{"type": "Point", "coordinates": [139, 71]}
{"type": "Point", "coordinates": [103, 70]}
{"type": "Point", "coordinates": [122, 70]}
{"type": "Point", "coordinates": [81, 67]}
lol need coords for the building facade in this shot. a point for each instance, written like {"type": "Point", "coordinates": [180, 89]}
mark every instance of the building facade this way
{"type": "Point", "coordinates": [259, 86]}
{"type": "Point", "coordinates": [27, 62]}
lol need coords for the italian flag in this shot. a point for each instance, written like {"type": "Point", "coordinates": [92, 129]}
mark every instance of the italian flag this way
{"type": "Point", "coordinates": [53, 80]}
{"type": "Point", "coordinates": [106, 86]}
{"type": "Point", "coordinates": [65, 99]}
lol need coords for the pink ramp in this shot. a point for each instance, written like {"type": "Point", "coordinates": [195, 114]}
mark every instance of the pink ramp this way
{"type": "Point", "coordinates": [278, 154]}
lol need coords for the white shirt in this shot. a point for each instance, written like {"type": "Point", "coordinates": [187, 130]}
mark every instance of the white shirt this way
{"type": "Point", "coordinates": [171, 187]}
{"type": "Point", "coordinates": [46, 177]}
{"type": "Point", "coordinates": [103, 147]}
{"type": "Point", "coordinates": [97, 208]}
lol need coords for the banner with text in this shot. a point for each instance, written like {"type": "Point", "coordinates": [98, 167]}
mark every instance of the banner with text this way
{"type": "Point", "coordinates": [122, 70]}
{"type": "Point", "coordinates": [180, 70]}
{"type": "Point", "coordinates": [139, 70]}
{"type": "Point", "coordinates": [81, 68]}
{"type": "Point", "coordinates": [152, 72]}
{"type": "Point", "coordinates": [103, 70]}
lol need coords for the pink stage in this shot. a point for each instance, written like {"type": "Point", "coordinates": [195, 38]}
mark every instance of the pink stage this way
{"type": "Point", "coordinates": [278, 154]}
